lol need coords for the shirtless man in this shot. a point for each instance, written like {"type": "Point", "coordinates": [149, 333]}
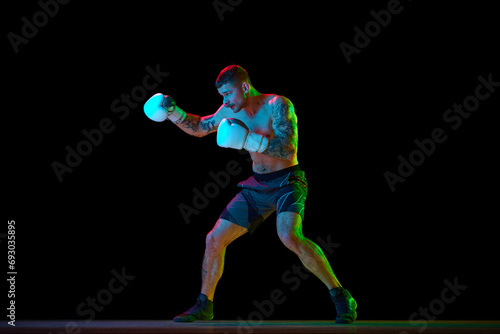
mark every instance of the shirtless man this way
{"type": "Point", "coordinates": [266, 126]}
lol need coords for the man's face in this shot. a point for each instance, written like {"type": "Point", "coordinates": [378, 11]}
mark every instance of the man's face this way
{"type": "Point", "coordinates": [233, 95]}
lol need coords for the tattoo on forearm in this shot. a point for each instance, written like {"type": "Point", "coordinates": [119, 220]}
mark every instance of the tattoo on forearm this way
{"type": "Point", "coordinates": [208, 125]}
{"type": "Point", "coordinates": [198, 126]}
{"type": "Point", "coordinates": [191, 123]}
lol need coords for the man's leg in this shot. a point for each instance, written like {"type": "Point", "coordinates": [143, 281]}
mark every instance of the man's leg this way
{"type": "Point", "coordinates": [289, 225]}
{"type": "Point", "coordinates": [223, 233]}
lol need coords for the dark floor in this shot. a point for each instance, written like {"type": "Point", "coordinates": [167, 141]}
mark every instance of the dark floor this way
{"type": "Point", "coordinates": [156, 326]}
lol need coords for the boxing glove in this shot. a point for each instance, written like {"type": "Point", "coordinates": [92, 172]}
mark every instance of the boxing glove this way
{"type": "Point", "coordinates": [233, 133]}
{"type": "Point", "coordinates": [159, 107]}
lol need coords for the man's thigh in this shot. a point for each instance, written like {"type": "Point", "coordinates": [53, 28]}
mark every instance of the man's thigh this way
{"type": "Point", "coordinates": [248, 209]}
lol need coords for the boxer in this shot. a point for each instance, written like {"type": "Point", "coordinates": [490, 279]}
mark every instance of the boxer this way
{"type": "Point", "coordinates": [266, 126]}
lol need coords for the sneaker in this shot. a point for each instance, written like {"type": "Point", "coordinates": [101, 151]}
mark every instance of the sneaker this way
{"type": "Point", "coordinates": [345, 305]}
{"type": "Point", "coordinates": [202, 310]}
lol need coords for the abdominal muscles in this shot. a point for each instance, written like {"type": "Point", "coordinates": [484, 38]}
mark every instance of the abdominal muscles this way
{"type": "Point", "coordinates": [264, 164]}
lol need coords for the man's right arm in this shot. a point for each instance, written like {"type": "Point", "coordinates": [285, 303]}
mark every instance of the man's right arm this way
{"type": "Point", "coordinates": [200, 126]}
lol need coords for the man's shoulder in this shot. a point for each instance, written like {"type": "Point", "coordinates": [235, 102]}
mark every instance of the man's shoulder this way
{"type": "Point", "coordinates": [281, 105]}
{"type": "Point", "coordinates": [276, 100]}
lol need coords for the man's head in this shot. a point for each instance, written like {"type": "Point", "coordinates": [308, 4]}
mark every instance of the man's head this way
{"type": "Point", "coordinates": [234, 84]}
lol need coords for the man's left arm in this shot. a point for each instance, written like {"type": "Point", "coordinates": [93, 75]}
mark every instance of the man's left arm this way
{"type": "Point", "coordinates": [284, 144]}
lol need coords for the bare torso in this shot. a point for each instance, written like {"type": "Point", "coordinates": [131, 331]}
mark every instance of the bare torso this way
{"type": "Point", "coordinates": [261, 123]}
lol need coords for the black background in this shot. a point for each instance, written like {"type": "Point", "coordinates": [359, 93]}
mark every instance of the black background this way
{"type": "Point", "coordinates": [119, 207]}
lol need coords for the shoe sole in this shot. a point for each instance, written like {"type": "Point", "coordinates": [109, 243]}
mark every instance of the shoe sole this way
{"type": "Point", "coordinates": [190, 319]}
{"type": "Point", "coordinates": [346, 321]}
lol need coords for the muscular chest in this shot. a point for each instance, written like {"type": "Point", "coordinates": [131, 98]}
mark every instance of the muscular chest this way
{"type": "Point", "coordinates": [261, 123]}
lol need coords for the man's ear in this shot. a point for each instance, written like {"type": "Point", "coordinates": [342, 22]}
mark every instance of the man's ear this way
{"type": "Point", "coordinates": [246, 87]}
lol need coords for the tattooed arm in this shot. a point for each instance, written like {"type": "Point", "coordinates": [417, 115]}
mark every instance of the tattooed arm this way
{"type": "Point", "coordinates": [284, 144]}
{"type": "Point", "coordinates": [201, 126]}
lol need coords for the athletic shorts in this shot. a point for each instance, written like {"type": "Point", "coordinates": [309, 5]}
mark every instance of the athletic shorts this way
{"type": "Point", "coordinates": [262, 194]}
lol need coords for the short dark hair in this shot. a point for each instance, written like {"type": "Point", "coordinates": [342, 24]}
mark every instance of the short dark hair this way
{"type": "Point", "coordinates": [232, 73]}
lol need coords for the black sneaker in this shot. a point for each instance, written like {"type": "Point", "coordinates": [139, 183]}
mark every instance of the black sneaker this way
{"type": "Point", "coordinates": [345, 305]}
{"type": "Point", "coordinates": [202, 310]}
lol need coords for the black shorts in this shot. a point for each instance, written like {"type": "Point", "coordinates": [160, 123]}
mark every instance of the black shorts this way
{"type": "Point", "coordinates": [262, 194]}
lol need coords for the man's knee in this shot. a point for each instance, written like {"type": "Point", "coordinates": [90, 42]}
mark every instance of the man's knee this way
{"type": "Point", "coordinates": [223, 233]}
{"type": "Point", "coordinates": [213, 241]}
{"type": "Point", "coordinates": [290, 230]}
{"type": "Point", "coordinates": [291, 239]}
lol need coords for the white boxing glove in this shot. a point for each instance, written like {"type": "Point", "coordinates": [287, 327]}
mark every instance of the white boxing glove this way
{"type": "Point", "coordinates": [159, 107]}
{"type": "Point", "coordinates": [233, 133]}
